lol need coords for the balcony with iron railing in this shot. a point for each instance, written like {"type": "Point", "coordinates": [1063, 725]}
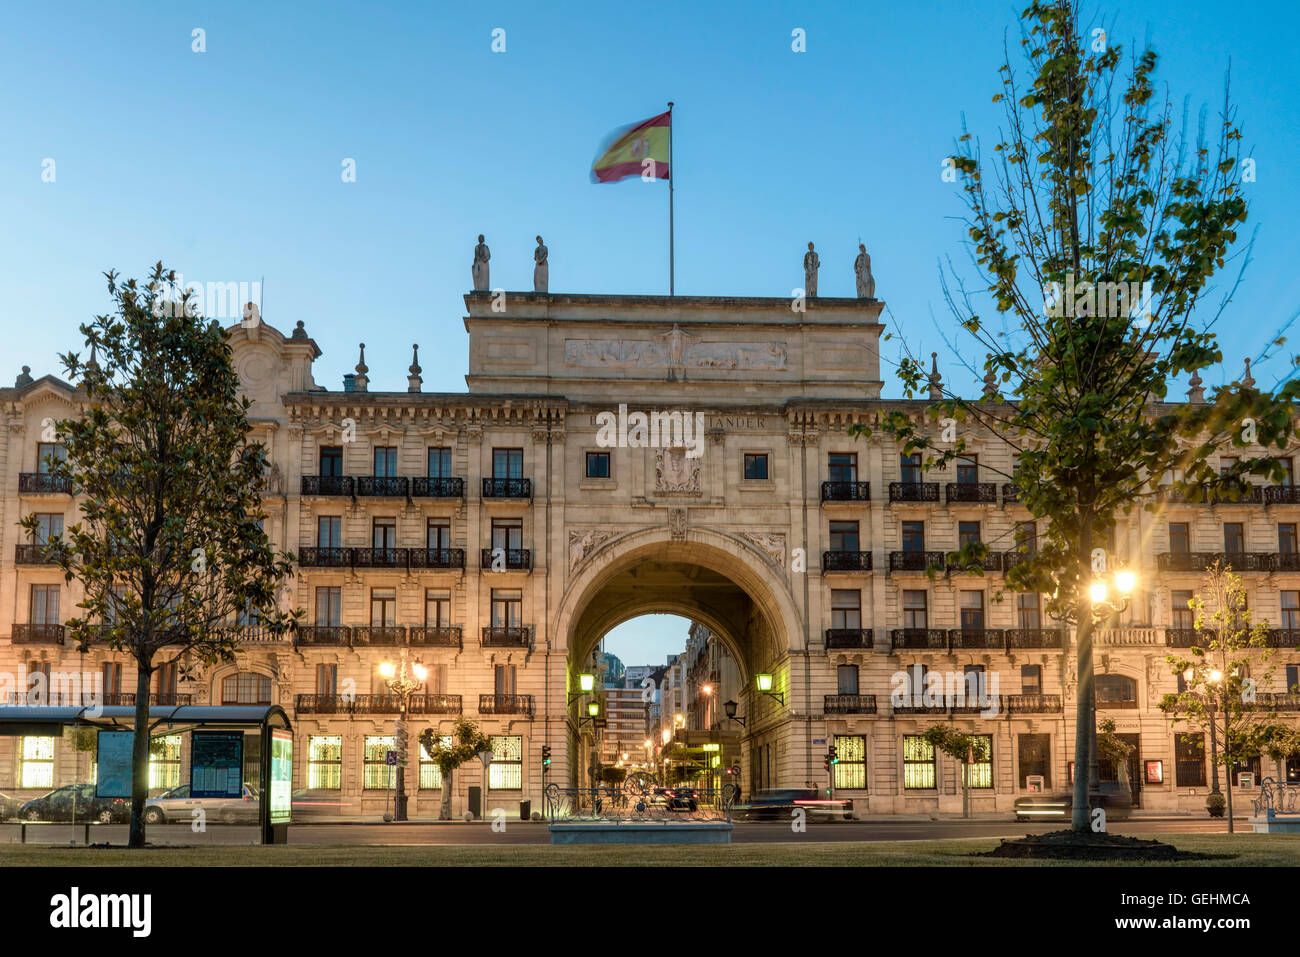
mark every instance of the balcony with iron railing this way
{"type": "Point", "coordinates": [381, 486]}
{"type": "Point", "coordinates": [514, 488]}
{"type": "Point", "coordinates": [374, 635]}
{"type": "Point", "coordinates": [1035, 638]}
{"type": "Point", "coordinates": [313, 557]}
{"type": "Point", "coordinates": [991, 562]}
{"type": "Point", "coordinates": [994, 638]}
{"type": "Point", "coordinates": [1199, 561]}
{"type": "Point", "coordinates": [1282, 494]}
{"type": "Point", "coordinates": [435, 636]}
{"type": "Point", "coordinates": [849, 704]}
{"type": "Point", "coordinates": [1254, 495]}
{"type": "Point", "coordinates": [505, 704]}
{"type": "Point", "coordinates": [910, 561]}
{"type": "Point", "coordinates": [347, 704]}
{"type": "Point", "coordinates": [508, 559]}
{"type": "Point", "coordinates": [846, 491]}
{"type": "Point", "coordinates": [846, 561]}
{"type": "Point", "coordinates": [256, 634]}
{"type": "Point", "coordinates": [323, 635]}
{"type": "Point", "coordinates": [1276, 701]}
{"type": "Point", "coordinates": [914, 491]}
{"type": "Point", "coordinates": [1032, 703]}
{"type": "Point", "coordinates": [848, 637]}
{"type": "Point", "coordinates": [27, 554]}
{"type": "Point", "coordinates": [978, 493]}
{"type": "Point", "coordinates": [430, 487]}
{"type": "Point", "coordinates": [43, 483]}
{"type": "Point", "coordinates": [379, 558]}
{"type": "Point", "coordinates": [434, 704]}
{"type": "Point", "coordinates": [1010, 493]}
{"type": "Point", "coordinates": [327, 485]}
{"type": "Point", "coordinates": [919, 638]}
{"type": "Point", "coordinates": [36, 634]}
{"type": "Point", "coordinates": [506, 636]}
{"type": "Point", "coordinates": [436, 557]}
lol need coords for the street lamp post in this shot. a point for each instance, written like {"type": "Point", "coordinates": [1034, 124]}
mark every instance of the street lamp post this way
{"type": "Point", "coordinates": [401, 686]}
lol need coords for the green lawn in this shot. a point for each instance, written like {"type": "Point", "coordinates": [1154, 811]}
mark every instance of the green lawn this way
{"type": "Point", "coordinates": [1267, 850]}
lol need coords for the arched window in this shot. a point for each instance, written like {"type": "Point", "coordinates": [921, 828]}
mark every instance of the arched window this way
{"type": "Point", "coordinates": [247, 687]}
{"type": "Point", "coordinates": [1116, 691]}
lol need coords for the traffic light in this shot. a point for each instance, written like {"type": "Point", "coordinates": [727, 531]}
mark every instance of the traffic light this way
{"type": "Point", "coordinates": [826, 762]}
{"type": "Point", "coordinates": [832, 756]}
{"type": "Point", "coordinates": [546, 755]}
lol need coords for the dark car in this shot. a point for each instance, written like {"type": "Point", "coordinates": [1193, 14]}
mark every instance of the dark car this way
{"type": "Point", "coordinates": [683, 797]}
{"type": "Point", "coordinates": [9, 807]}
{"type": "Point", "coordinates": [1058, 807]}
{"type": "Point", "coordinates": [774, 804]}
{"type": "Point", "coordinates": [76, 802]}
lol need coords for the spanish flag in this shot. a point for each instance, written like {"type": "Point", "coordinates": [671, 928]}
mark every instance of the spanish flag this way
{"type": "Point", "coordinates": [642, 148]}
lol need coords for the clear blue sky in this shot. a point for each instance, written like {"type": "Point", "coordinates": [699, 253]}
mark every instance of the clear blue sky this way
{"type": "Point", "coordinates": [226, 164]}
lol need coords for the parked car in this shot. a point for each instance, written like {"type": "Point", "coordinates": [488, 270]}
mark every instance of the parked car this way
{"type": "Point", "coordinates": [177, 805]}
{"type": "Point", "coordinates": [76, 802]}
{"type": "Point", "coordinates": [774, 804]}
{"type": "Point", "coordinates": [1057, 807]}
{"type": "Point", "coordinates": [683, 797]}
{"type": "Point", "coordinates": [9, 807]}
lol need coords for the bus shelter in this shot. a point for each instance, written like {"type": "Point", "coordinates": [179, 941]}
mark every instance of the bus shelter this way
{"type": "Point", "coordinates": [229, 751]}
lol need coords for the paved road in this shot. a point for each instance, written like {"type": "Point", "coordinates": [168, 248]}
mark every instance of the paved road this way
{"type": "Point", "coordinates": [519, 832]}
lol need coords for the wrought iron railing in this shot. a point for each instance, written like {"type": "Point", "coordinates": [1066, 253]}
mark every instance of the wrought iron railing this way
{"type": "Point", "coordinates": [505, 704]}
{"type": "Point", "coordinates": [507, 488]}
{"type": "Point", "coordinates": [381, 486]}
{"type": "Point", "coordinates": [639, 801]}
{"type": "Point", "coordinates": [849, 704]}
{"type": "Point", "coordinates": [512, 559]}
{"type": "Point", "coordinates": [37, 634]}
{"type": "Point", "coordinates": [1035, 638]}
{"type": "Point", "coordinates": [505, 636]}
{"type": "Point", "coordinates": [1199, 561]}
{"type": "Point", "coordinates": [976, 638]}
{"type": "Point", "coordinates": [1282, 495]}
{"type": "Point", "coordinates": [436, 636]}
{"type": "Point", "coordinates": [1033, 703]}
{"type": "Point", "coordinates": [437, 557]}
{"type": "Point", "coordinates": [37, 483]}
{"type": "Point", "coordinates": [980, 492]}
{"type": "Point", "coordinates": [327, 485]}
{"type": "Point", "coordinates": [30, 555]}
{"type": "Point", "coordinates": [430, 487]}
{"type": "Point", "coordinates": [848, 637]}
{"type": "Point", "coordinates": [378, 635]}
{"type": "Point", "coordinates": [919, 638]}
{"type": "Point", "coordinates": [434, 704]}
{"type": "Point", "coordinates": [908, 561]}
{"type": "Point", "coordinates": [846, 491]}
{"type": "Point", "coordinates": [991, 562]}
{"type": "Point", "coordinates": [313, 557]}
{"type": "Point", "coordinates": [846, 561]}
{"type": "Point", "coordinates": [379, 558]}
{"type": "Point", "coordinates": [914, 491]}
{"type": "Point", "coordinates": [1010, 493]}
{"type": "Point", "coordinates": [322, 635]}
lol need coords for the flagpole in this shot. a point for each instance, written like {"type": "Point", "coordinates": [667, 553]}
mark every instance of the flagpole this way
{"type": "Point", "coordinates": [671, 177]}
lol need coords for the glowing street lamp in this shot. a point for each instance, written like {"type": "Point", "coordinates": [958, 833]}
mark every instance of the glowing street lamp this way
{"type": "Point", "coordinates": [763, 682]}
{"type": "Point", "coordinates": [401, 686]}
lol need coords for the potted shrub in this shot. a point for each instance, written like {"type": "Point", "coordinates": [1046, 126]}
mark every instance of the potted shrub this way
{"type": "Point", "coordinates": [1215, 802]}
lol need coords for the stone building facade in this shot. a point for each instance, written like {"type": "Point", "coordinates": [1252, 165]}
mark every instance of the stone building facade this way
{"type": "Point", "coordinates": [496, 535]}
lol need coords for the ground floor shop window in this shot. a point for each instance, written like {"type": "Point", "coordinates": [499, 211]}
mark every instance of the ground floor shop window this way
{"type": "Point", "coordinates": [430, 773]}
{"type": "Point", "coordinates": [325, 761]}
{"type": "Point", "coordinates": [36, 768]}
{"type": "Point", "coordinates": [1035, 758]}
{"type": "Point", "coordinates": [165, 761]}
{"type": "Point", "coordinates": [379, 774]}
{"type": "Point", "coordinates": [1189, 760]}
{"type": "Point", "coordinates": [918, 763]}
{"type": "Point", "coordinates": [979, 773]}
{"type": "Point", "coordinates": [507, 772]}
{"type": "Point", "coordinates": [851, 772]}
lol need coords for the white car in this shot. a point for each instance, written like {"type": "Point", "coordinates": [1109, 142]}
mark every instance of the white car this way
{"type": "Point", "coordinates": [177, 805]}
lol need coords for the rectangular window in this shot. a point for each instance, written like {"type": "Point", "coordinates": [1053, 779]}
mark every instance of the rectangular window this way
{"type": "Point", "coordinates": [918, 763]}
{"type": "Point", "coordinates": [968, 470]}
{"type": "Point", "coordinates": [851, 772]}
{"type": "Point", "coordinates": [1182, 615]}
{"type": "Point", "coordinates": [507, 608]}
{"type": "Point", "coordinates": [45, 605]}
{"type": "Point", "coordinates": [1289, 478]}
{"type": "Point", "coordinates": [383, 607]}
{"type": "Point", "coordinates": [755, 467]}
{"type": "Point", "coordinates": [331, 460]}
{"type": "Point", "coordinates": [1028, 610]}
{"type": "Point", "coordinates": [910, 467]}
{"type": "Point", "coordinates": [842, 467]}
{"type": "Point", "coordinates": [329, 531]}
{"type": "Point", "coordinates": [914, 615]}
{"type": "Point", "coordinates": [1031, 679]}
{"type": "Point", "coordinates": [383, 532]}
{"type": "Point", "coordinates": [47, 451]}
{"type": "Point", "coordinates": [437, 609]}
{"type": "Point", "coordinates": [968, 533]}
{"type": "Point", "coordinates": [1291, 610]}
{"type": "Point", "coordinates": [1292, 678]}
{"type": "Point", "coordinates": [430, 773]}
{"type": "Point", "coordinates": [507, 463]}
{"type": "Point", "coordinates": [325, 762]}
{"type": "Point", "coordinates": [437, 533]}
{"type": "Point", "coordinates": [1286, 539]}
{"type": "Point", "coordinates": [979, 773]}
{"type": "Point", "coordinates": [165, 761]}
{"type": "Point", "coordinates": [1227, 463]}
{"type": "Point", "coordinates": [847, 679]}
{"type": "Point", "coordinates": [504, 676]}
{"type": "Point", "coordinates": [1179, 541]}
{"type": "Point", "coordinates": [327, 680]}
{"type": "Point", "coordinates": [1027, 537]}
{"type": "Point", "coordinates": [112, 677]}
{"type": "Point", "coordinates": [378, 774]}
{"type": "Point", "coordinates": [165, 679]}
{"type": "Point", "coordinates": [597, 465]}
{"type": "Point", "coordinates": [1234, 539]}
{"type": "Point", "coordinates": [846, 608]}
{"type": "Point", "coordinates": [440, 462]}
{"type": "Point", "coordinates": [506, 773]}
{"type": "Point", "coordinates": [844, 536]}
{"type": "Point", "coordinates": [972, 610]}
{"type": "Point", "coordinates": [1035, 758]}
{"type": "Point", "coordinates": [385, 461]}
{"type": "Point", "coordinates": [36, 766]}
{"type": "Point", "coordinates": [508, 533]}
{"type": "Point", "coordinates": [1189, 760]}
{"type": "Point", "coordinates": [329, 606]}
{"type": "Point", "coordinates": [914, 536]}
{"type": "Point", "coordinates": [48, 525]}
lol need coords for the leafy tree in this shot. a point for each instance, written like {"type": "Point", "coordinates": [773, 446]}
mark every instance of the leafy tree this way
{"type": "Point", "coordinates": [1090, 186]}
{"type": "Point", "coordinates": [170, 543]}
{"type": "Point", "coordinates": [1114, 749]}
{"type": "Point", "coordinates": [1219, 696]}
{"type": "Point", "coordinates": [964, 748]}
{"type": "Point", "coordinates": [450, 752]}
{"type": "Point", "coordinates": [613, 776]}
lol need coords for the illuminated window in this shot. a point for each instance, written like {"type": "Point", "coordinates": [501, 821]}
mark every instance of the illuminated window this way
{"type": "Point", "coordinates": [36, 769]}
{"type": "Point", "coordinates": [325, 761]}
{"type": "Point", "coordinates": [165, 761]}
{"type": "Point", "coordinates": [507, 772]}
{"type": "Point", "coordinates": [979, 773]}
{"type": "Point", "coordinates": [247, 687]}
{"type": "Point", "coordinates": [430, 773]}
{"type": "Point", "coordinates": [1189, 760]}
{"type": "Point", "coordinates": [918, 763]}
{"type": "Point", "coordinates": [851, 772]}
{"type": "Point", "coordinates": [378, 775]}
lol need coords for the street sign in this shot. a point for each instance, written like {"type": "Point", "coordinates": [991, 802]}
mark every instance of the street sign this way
{"type": "Point", "coordinates": [390, 758]}
{"type": "Point", "coordinates": [735, 769]}
{"type": "Point", "coordinates": [819, 740]}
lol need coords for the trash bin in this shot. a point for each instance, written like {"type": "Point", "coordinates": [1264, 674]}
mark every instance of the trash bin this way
{"type": "Point", "coordinates": [525, 810]}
